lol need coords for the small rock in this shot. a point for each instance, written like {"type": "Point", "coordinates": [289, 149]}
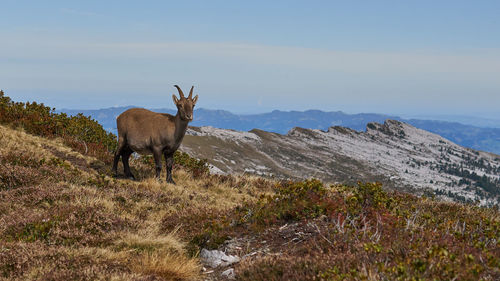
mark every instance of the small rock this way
{"type": "Point", "coordinates": [217, 258]}
{"type": "Point", "coordinates": [251, 254]}
{"type": "Point", "coordinates": [229, 274]}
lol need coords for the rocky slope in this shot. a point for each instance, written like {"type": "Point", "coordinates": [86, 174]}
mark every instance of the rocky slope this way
{"type": "Point", "coordinates": [394, 153]}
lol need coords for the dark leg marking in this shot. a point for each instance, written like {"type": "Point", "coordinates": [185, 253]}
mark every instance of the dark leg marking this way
{"type": "Point", "coordinates": [157, 157]}
{"type": "Point", "coordinates": [126, 168]}
{"type": "Point", "coordinates": [118, 153]}
{"type": "Point", "coordinates": [169, 160]}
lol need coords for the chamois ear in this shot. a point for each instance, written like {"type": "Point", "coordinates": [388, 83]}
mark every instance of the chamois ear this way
{"type": "Point", "coordinates": [176, 100]}
{"type": "Point", "coordinates": [195, 99]}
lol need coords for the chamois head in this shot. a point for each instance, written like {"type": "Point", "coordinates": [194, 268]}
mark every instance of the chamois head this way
{"type": "Point", "coordinates": [185, 105]}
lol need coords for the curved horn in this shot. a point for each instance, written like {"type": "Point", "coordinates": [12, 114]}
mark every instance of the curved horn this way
{"type": "Point", "coordinates": [180, 91]}
{"type": "Point", "coordinates": [191, 93]}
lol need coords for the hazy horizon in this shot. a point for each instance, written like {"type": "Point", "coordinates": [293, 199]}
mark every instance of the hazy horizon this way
{"type": "Point", "coordinates": [388, 57]}
{"type": "Point", "coordinates": [242, 111]}
{"type": "Point", "coordinates": [481, 121]}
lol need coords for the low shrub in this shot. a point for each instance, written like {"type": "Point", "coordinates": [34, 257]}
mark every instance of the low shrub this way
{"type": "Point", "coordinates": [197, 167]}
{"type": "Point", "coordinates": [294, 201]}
{"type": "Point", "coordinates": [79, 132]}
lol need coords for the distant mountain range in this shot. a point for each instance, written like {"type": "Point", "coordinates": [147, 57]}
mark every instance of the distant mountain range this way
{"type": "Point", "coordinates": [483, 122]}
{"type": "Point", "coordinates": [479, 138]}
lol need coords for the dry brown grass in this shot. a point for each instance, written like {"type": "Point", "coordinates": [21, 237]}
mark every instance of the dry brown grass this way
{"type": "Point", "coordinates": [37, 147]}
{"type": "Point", "coordinates": [61, 219]}
{"type": "Point", "coordinates": [168, 266]}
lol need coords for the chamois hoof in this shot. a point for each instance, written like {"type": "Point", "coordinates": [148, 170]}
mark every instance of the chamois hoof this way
{"type": "Point", "coordinates": [171, 181]}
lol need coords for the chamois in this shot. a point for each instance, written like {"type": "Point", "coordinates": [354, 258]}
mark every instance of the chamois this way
{"type": "Point", "coordinates": [147, 132]}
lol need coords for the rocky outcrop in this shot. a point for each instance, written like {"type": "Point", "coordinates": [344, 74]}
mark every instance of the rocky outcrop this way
{"type": "Point", "coordinates": [395, 153]}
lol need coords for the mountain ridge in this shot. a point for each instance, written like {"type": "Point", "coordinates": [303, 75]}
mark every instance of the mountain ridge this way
{"type": "Point", "coordinates": [395, 153]}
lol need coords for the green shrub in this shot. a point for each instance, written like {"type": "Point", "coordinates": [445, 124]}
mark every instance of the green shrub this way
{"type": "Point", "coordinates": [80, 132]}
{"type": "Point", "coordinates": [308, 199]}
{"type": "Point", "coordinates": [292, 201]}
{"type": "Point", "coordinates": [197, 167]}
{"type": "Point", "coordinates": [368, 197]}
{"type": "Point", "coordinates": [37, 231]}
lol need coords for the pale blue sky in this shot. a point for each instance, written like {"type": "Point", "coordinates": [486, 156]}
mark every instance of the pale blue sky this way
{"type": "Point", "coordinates": [398, 57]}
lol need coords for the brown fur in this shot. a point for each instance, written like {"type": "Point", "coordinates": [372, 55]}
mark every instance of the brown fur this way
{"type": "Point", "coordinates": [147, 132]}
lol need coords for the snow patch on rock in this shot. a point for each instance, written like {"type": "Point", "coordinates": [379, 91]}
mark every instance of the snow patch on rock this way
{"type": "Point", "coordinates": [224, 134]}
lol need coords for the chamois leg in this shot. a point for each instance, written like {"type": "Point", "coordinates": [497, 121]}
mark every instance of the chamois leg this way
{"type": "Point", "coordinates": [157, 157]}
{"type": "Point", "coordinates": [169, 160]}
{"type": "Point", "coordinates": [118, 153]}
{"type": "Point", "coordinates": [114, 170]}
{"type": "Point", "coordinates": [126, 168]}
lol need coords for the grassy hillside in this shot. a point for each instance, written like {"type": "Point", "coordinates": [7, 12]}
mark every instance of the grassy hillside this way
{"type": "Point", "coordinates": [62, 217]}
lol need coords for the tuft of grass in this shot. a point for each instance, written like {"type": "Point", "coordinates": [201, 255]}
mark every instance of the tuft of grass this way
{"type": "Point", "coordinates": [159, 255]}
{"type": "Point", "coordinates": [147, 243]}
{"type": "Point", "coordinates": [168, 266]}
